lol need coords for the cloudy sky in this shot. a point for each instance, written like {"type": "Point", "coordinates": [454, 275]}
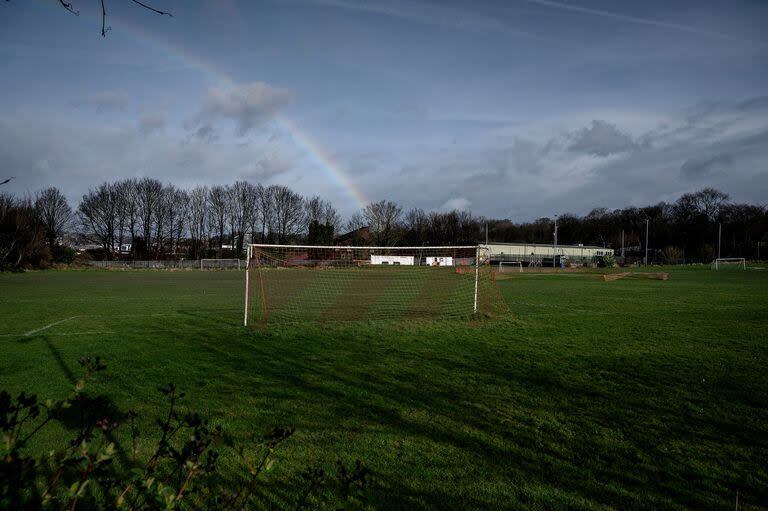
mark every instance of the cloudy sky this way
{"type": "Point", "coordinates": [516, 109]}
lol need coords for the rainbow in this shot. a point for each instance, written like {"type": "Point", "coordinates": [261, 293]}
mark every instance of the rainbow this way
{"type": "Point", "coordinates": [308, 144]}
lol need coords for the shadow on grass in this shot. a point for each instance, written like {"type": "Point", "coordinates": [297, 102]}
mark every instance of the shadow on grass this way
{"type": "Point", "coordinates": [525, 434]}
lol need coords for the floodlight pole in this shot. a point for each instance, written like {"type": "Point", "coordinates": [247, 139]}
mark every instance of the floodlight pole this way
{"type": "Point", "coordinates": [622, 243]}
{"type": "Point", "coordinates": [477, 276]}
{"type": "Point", "coordinates": [554, 248]}
{"type": "Point", "coordinates": [719, 234]}
{"type": "Point", "coordinates": [646, 240]}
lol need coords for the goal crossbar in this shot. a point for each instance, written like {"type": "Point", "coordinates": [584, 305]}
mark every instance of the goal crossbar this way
{"type": "Point", "coordinates": [356, 247]}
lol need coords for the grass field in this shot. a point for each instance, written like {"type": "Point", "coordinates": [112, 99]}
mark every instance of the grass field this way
{"type": "Point", "coordinates": [632, 394]}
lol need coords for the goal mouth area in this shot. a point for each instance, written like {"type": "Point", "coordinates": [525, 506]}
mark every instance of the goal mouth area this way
{"type": "Point", "coordinates": [726, 262]}
{"type": "Point", "coordinates": [290, 284]}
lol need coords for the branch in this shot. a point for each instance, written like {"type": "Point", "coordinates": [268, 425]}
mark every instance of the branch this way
{"type": "Point", "coordinates": [68, 6]}
{"type": "Point", "coordinates": [104, 28]}
{"type": "Point", "coordinates": [104, 20]}
{"type": "Point", "coordinates": [150, 8]}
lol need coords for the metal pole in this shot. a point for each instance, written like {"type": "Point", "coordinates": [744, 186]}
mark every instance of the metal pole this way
{"type": "Point", "coordinates": [247, 285]}
{"type": "Point", "coordinates": [554, 248]}
{"type": "Point", "coordinates": [719, 233]}
{"type": "Point", "coordinates": [477, 274]}
{"type": "Point", "coordinates": [486, 234]}
{"type": "Point", "coordinates": [646, 241]}
{"type": "Point", "coordinates": [622, 243]}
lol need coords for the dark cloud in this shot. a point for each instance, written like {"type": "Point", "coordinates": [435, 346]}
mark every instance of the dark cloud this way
{"type": "Point", "coordinates": [103, 101]}
{"type": "Point", "coordinates": [697, 168]}
{"type": "Point", "coordinates": [601, 139]}
{"type": "Point", "coordinates": [151, 122]}
{"type": "Point", "coordinates": [757, 103]}
{"type": "Point", "coordinates": [206, 133]}
{"type": "Point", "coordinates": [248, 105]}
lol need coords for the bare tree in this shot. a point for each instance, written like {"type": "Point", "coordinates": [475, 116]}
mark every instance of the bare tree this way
{"type": "Point", "coordinates": [22, 235]}
{"type": "Point", "coordinates": [288, 213]}
{"type": "Point", "coordinates": [163, 213]}
{"type": "Point", "coordinates": [54, 213]}
{"type": "Point", "coordinates": [129, 208]}
{"type": "Point", "coordinates": [416, 224]}
{"type": "Point", "coordinates": [217, 199]}
{"type": "Point", "coordinates": [241, 199]}
{"type": "Point", "coordinates": [383, 220]}
{"type": "Point", "coordinates": [322, 212]}
{"type": "Point", "coordinates": [356, 221]}
{"type": "Point", "coordinates": [178, 217]}
{"type": "Point", "coordinates": [149, 192]}
{"type": "Point", "coordinates": [198, 219]}
{"type": "Point", "coordinates": [98, 216]}
{"type": "Point", "coordinates": [265, 202]}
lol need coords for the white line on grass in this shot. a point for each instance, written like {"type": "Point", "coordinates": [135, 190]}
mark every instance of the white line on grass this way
{"type": "Point", "coordinates": [46, 327]}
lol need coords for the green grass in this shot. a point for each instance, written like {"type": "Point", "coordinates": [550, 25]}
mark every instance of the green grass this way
{"type": "Point", "coordinates": [632, 394]}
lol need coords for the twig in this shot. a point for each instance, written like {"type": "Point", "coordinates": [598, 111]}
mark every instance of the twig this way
{"type": "Point", "coordinates": [68, 6]}
{"type": "Point", "coordinates": [150, 8]}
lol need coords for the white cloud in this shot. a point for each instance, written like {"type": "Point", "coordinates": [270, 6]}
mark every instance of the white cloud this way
{"type": "Point", "coordinates": [456, 204]}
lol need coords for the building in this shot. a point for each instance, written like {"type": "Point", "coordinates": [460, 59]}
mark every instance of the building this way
{"type": "Point", "coordinates": [537, 254]}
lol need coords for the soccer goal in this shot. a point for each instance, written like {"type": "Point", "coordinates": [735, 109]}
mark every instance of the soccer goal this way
{"type": "Point", "coordinates": [510, 266]}
{"type": "Point", "coordinates": [725, 262]}
{"type": "Point", "coordinates": [219, 264]}
{"type": "Point", "coordinates": [293, 283]}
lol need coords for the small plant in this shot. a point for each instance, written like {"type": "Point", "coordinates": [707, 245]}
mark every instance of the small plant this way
{"type": "Point", "coordinates": [672, 255]}
{"type": "Point", "coordinates": [182, 471]}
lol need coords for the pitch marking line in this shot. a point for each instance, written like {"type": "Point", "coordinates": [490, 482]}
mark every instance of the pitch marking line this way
{"type": "Point", "coordinates": [46, 327]}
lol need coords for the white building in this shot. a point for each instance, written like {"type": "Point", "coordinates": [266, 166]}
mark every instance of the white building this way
{"type": "Point", "coordinates": [535, 253]}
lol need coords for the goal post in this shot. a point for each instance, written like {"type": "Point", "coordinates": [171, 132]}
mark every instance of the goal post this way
{"type": "Point", "coordinates": [220, 264]}
{"type": "Point", "coordinates": [729, 261]}
{"type": "Point", "coordinates": [305, 283]}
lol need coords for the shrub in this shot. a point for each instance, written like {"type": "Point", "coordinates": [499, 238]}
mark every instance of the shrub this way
{"type": "Point", "coordinates": [181, 473]}
{"type": "Point", "coordinates": [672, 255]}
{"type": "Point", "coordinates": [62, 254]}
{"type": "Point", "coordinates": [609, 261]}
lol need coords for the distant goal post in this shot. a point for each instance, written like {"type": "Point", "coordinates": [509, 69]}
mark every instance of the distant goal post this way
{"type": "Point", "coordinates": [300, 283]}
{"type": "Point", "coordinates": [220, 264]}
{"type": "Point", "coordinates": [507, 266]}
{"type": "Point", "coordinates": [729, 261]}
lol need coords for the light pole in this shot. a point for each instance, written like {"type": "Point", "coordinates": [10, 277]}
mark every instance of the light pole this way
{"type": "Point", "coordinates": [622, 244]}
{"type": "Point", "coordinates": [646, 240]}
{"type": "Point", "coordinates": [719, 234]}
{"type": "Point", "coordinates": [554, 249]}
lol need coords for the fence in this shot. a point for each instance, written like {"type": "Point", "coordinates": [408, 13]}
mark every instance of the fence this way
{"type": "Point", "coordinates": [193, 264]}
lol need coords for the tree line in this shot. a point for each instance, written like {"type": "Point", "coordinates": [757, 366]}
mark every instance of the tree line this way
{"type": "Point", "coordinates": [148, 219]}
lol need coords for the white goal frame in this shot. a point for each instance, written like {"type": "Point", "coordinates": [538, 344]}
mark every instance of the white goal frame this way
{"type": "Point", "coordinates": [249, 256]}
{"type": "Point", "coordinates": [511, 263]}
{"type": "Point", "coordinates": [716, 262]}
{"type": "Point", "coordinates": [232, 260]}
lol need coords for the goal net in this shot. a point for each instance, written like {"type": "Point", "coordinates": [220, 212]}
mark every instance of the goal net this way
{"type": "Point", "coordinates": [219, 264]}
{"type": "Point", "coordinates": [290, 283]}
{"type": "Point", "coordinates": [729, 262]}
